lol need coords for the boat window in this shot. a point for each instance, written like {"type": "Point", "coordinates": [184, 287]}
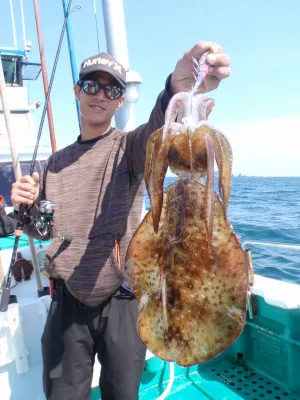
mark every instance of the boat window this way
{"type": "Point", "coordinates": [11, 70]}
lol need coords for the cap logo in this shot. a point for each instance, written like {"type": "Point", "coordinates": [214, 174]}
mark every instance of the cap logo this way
{"type": "Point", "coordinates": [103, 61]}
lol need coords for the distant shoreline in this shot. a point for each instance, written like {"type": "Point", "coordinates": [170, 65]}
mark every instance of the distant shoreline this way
{"type": "Point", "coordinates": [251, 176]}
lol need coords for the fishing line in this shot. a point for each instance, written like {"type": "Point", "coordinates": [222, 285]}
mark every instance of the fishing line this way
{"type": "Point", "coordinates": [95, 13]}
{"type": "Point", "coordinates": [49, 89]}
{"type": "Point", "coordinates": [23, 209]}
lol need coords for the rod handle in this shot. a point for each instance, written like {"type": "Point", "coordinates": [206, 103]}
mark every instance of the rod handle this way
{"type": "Point", "coordinates": [22, 214]}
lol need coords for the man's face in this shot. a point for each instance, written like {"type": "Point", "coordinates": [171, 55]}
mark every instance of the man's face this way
{"type": "Point", "coordinates": [97, 109]}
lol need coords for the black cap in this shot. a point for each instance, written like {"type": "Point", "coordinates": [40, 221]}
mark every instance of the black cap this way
{"type": "Point", "coordinates": [103, 62]}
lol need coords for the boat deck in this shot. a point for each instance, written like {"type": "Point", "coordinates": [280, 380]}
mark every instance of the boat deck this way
{"type": "Point", "coordinates": [8, 242]}
{"type": "Point", "coordinates": [263, 363]}
{"type": "Point", "coordinates": [219, 381]}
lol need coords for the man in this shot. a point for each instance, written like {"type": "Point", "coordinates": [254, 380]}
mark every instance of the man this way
{"type": "Point", "coordinates": [97, 187]}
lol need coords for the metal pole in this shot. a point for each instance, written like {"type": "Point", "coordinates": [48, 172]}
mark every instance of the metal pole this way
{"type": "Point", "coordinates": [36, 266]}
{"type": "Point", "coordinates": [71, 55]}
{"type": "Point", "coordinates": [13, 24]}
{"type": "Point", "coordinates": [45, 76]}
{"type": "Point", "coordinates": [116, 40]}
{"type": "Point", "coordinates": [23, 26]}
{"type": "Point", "coordinates": [16, 166]}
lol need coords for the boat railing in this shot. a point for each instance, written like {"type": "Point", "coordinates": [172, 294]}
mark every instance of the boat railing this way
{"type": "Point", "coordinates": [246, 246]}
{"type": "Point", "coordinates": [270, 244]}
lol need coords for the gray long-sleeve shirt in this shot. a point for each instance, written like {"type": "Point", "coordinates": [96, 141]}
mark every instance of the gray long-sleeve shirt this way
{"type": "Point", "coordinates": [97, 187]}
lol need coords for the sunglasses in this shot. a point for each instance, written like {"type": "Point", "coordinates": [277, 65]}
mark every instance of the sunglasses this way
{"type": "Point", "coordinates": [112, 92]}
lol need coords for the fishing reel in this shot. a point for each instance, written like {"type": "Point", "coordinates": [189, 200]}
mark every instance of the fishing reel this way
{"type": "Point", "coordinates": [44, 221]}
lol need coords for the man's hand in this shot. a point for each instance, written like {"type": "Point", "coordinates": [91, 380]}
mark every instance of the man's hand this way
{"type": "Point", "coordinates": [25, 190]}
{"type": "Point", "coordinates": [182, 79]}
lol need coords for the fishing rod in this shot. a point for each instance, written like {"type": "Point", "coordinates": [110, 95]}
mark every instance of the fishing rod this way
{"type": "Point", "coordinates": [71, 54]}
{"type": "Point", "coordinates": [23, 209]}
{"type": "Point", "coordinates": [44, 74]}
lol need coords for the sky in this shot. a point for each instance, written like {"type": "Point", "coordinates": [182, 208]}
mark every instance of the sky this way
{"type": "Point", "coordinates": [257, 108]}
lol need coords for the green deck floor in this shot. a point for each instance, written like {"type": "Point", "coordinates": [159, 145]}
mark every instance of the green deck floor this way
{"type": "Point", "coordinates": [219, 381]}
{"type": "Point", "coordinates": [8, 242]}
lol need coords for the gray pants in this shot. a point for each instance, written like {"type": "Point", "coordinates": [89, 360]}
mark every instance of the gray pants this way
{"type": "Point", "coordinates": [75, 333]}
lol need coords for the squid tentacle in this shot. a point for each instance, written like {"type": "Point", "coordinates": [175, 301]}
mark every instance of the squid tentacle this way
{"type": "Point", "coordinates": [172, 111]}
{"type": "Point", "coordinates": [159, 172]}
{"type": "Point", "coordinates": [224, 162]}
{"type": "Point", "coordinates": [209, 188]}
{"type": "Point", "coordinates": [152, 149]}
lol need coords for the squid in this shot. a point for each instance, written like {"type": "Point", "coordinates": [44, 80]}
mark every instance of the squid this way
{"type": "Point", "coordinates": [184, 263]}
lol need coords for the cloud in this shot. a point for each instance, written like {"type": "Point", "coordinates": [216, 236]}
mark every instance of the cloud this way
{"type": "Point", "coordinates": [263, 147]}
